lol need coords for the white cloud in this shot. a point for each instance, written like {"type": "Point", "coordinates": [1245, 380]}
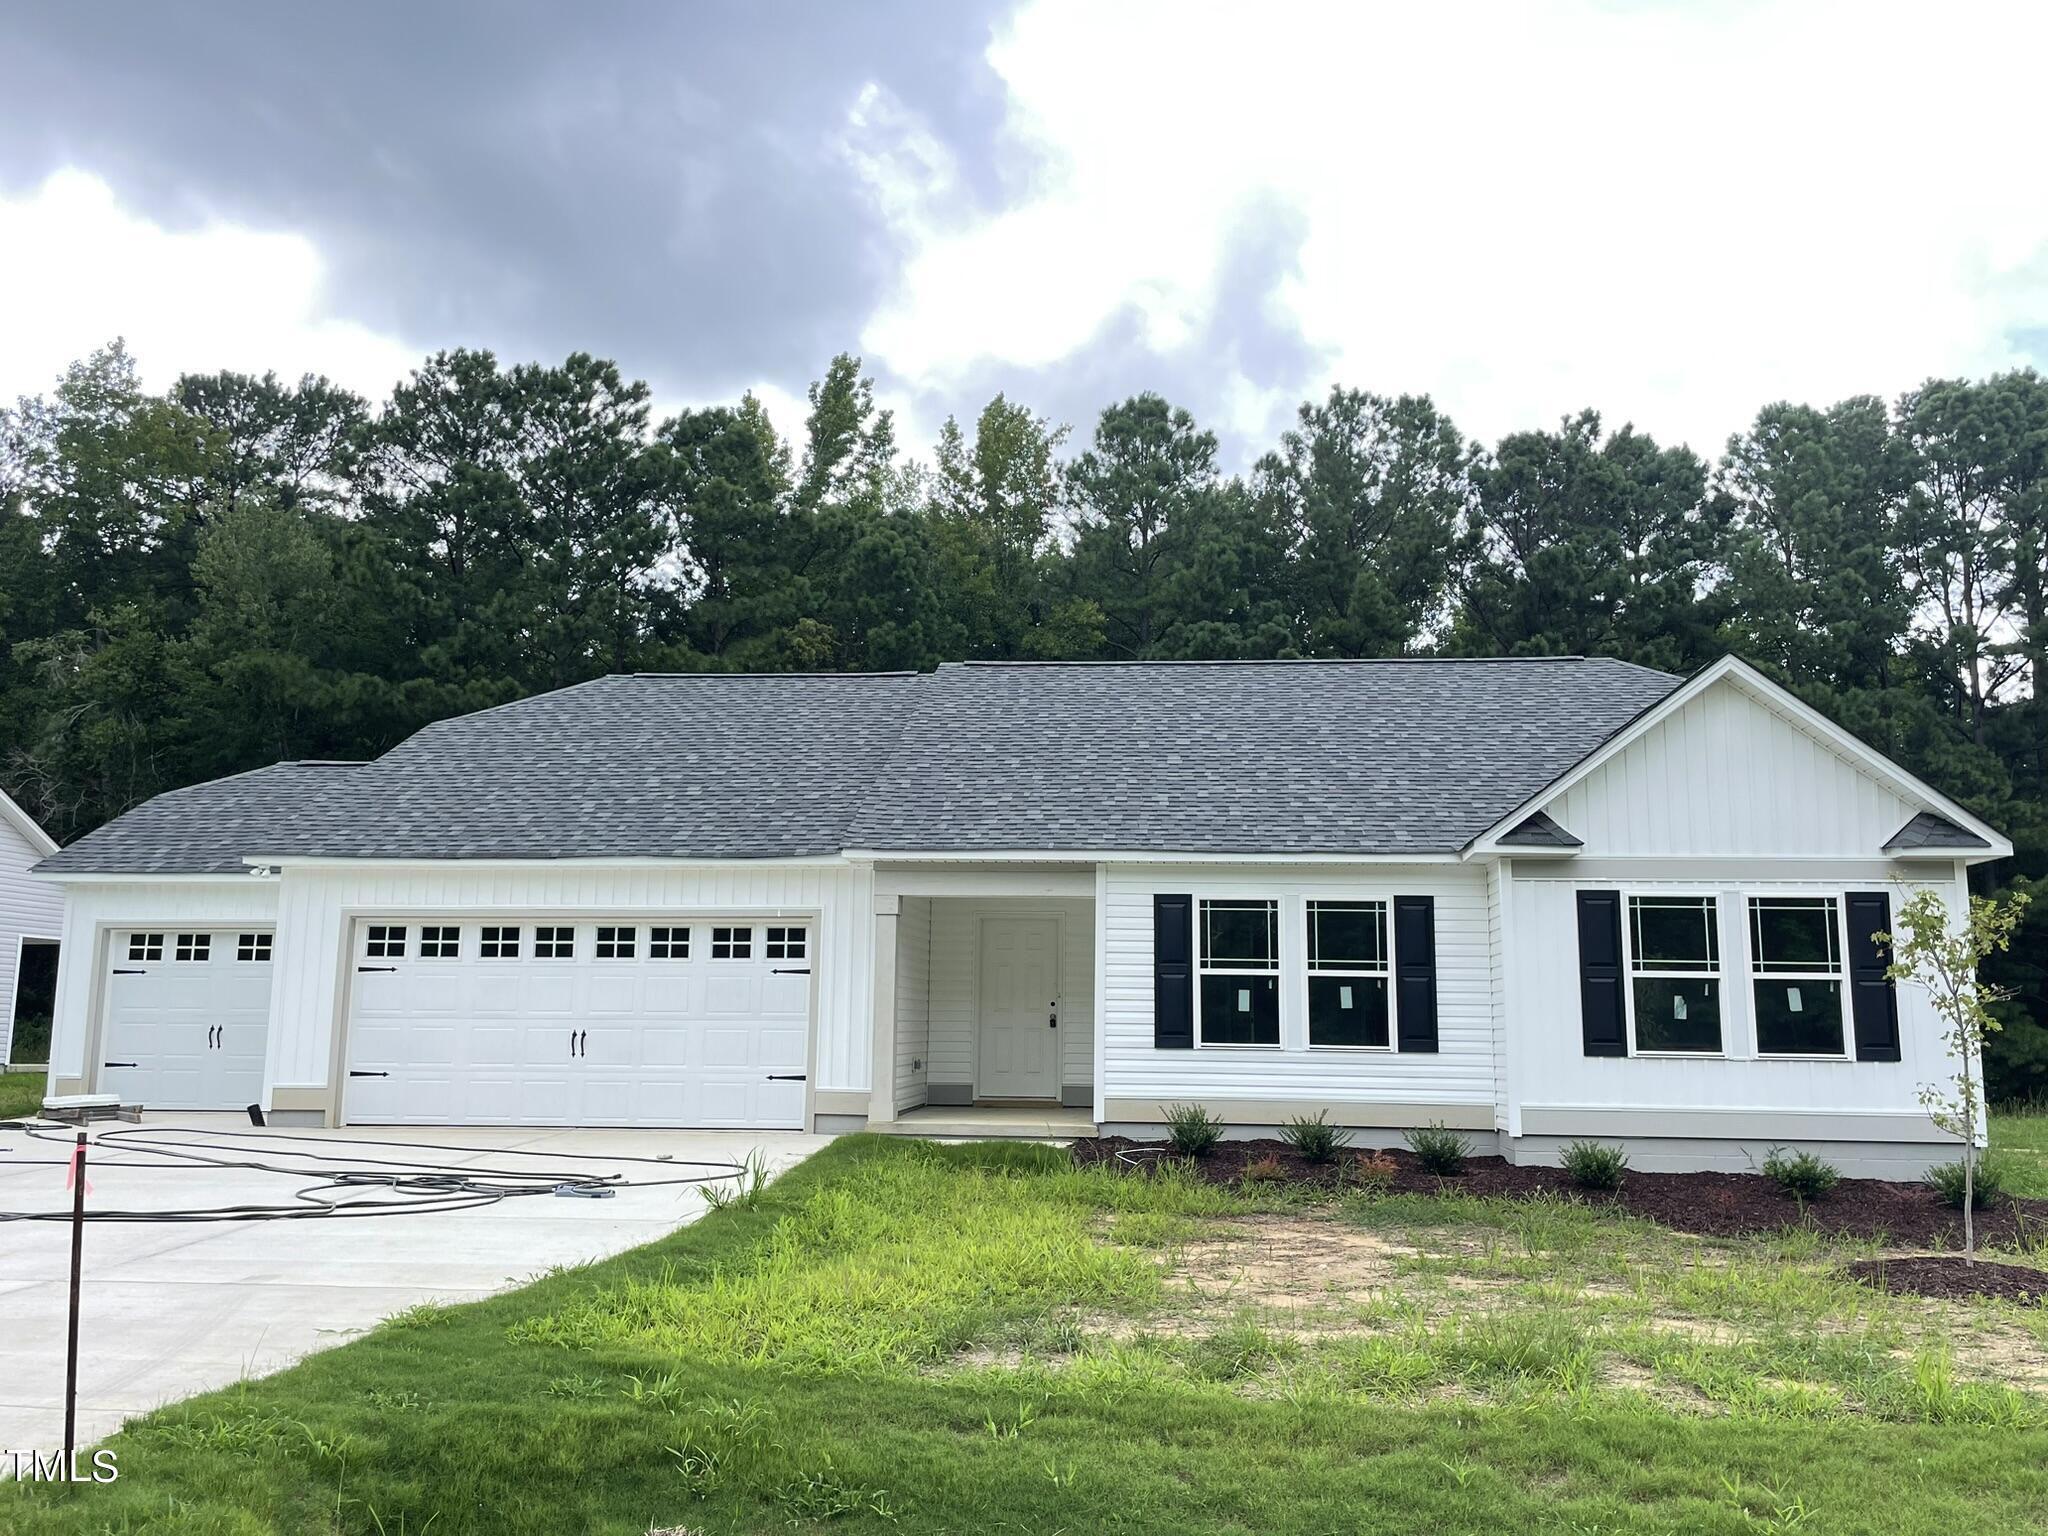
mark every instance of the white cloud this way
{"type": "Point", "coordinates": [1674, 214]}
{"type": "Point", "coordinates": [79, 270]}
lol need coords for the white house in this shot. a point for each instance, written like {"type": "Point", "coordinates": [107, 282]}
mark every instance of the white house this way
{"type": "Point", "coordinates": [1533, 899]}
{"type": "Point", "coordinates": [31, 910]}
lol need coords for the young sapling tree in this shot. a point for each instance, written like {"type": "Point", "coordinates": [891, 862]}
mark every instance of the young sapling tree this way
{"type": "Point", "coordinates": [1943, 957]}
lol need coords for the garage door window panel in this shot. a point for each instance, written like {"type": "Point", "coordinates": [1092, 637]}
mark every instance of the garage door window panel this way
{"type": "Point", "coordinates": [668, 943]}
{"type": "Point", "coordinates": [253, 948]}
{"type": "Point", "coordinates": [197, 947]}
{"type": "Point", "coordinates": [554, 943]}
{"type": "Point", "coordinates": [499, 943]}
{"type": "Point", "coordinates": [385, 941]}
{"type": "Point", "coordinates": [145, 946]}
{"type": "Point", "coordinates": [784, 943]}
{"type": "Point", "coordinates": [440, 943]}
{"type": "Point", "coordinates": [732, 943]}
{"type": "Point", "coordinates": [617, 943]}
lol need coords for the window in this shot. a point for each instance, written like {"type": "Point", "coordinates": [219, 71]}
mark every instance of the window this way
{"type": "Point", "coordinates": [440, 943]}
{"type": "Point", "coordinates": [499, 944]}
{"type": "Point", "coordinates": [668, 943]}
{"type": "Point", "coordinates": [1347, 974]}
{"type": "Point", "coordinates": [732, 943]}
{"type": "Point", "coordinates": [1674, 955]}
{"type": "Point", "coordinates": [194, 946]}
{"type": "Point", "coordinates": [616, 943]}
{"type": "Point", "coordinates": [1239, 992]}
{"type": "Point", "coordinates": [385, 943]}
{"type": "Point", "coordinates": [784, 944]}
{"type": "Point", "coordinates": [554, 943]}
{"type": "Point", "coordinates": [1795, 948]}
{"type": "Point", "coordinates": [253, 946]}
{"type": "Point", "coordinates": [145, 946]}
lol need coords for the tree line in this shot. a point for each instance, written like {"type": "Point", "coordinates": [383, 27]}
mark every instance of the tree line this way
{"type": "Point", "coordinates": [243, 569]}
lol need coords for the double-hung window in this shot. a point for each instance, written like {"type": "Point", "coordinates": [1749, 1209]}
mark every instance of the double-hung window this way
{"type": "Point", "coordinates": [1239, 987]}
{"type": "Point", "coordinates": [1674, 961]}
{"type": "Point", "coordinates": [1795, 956]}
{"type": "Point", "coordinates": [1347, 974]}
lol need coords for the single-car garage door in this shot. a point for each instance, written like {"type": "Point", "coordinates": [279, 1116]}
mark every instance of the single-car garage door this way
{"type": "Point", "coordinates": [187, 1016]}
{"type": "Point", "coordinates": [563, 1021]}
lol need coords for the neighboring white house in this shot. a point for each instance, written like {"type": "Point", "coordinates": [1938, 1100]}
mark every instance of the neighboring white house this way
{"type": "Point", "coordinates": [31, 910]}
{"type": "Point", "coordinates": [1533, 899]}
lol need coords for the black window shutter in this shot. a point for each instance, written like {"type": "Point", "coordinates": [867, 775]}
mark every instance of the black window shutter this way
{"type": "Point", "coordinates": [1415, 971]}
{"type": "Point", "coordinates": [1601, 1013]}
{"type": "Point", "coordinates": [1173, 977]}
{"type": "Point", "coordinates": [1874, 1001]}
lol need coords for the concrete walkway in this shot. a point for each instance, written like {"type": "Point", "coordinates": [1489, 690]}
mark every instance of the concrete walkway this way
{"type": "Point", "coordinates": [170, 1310]}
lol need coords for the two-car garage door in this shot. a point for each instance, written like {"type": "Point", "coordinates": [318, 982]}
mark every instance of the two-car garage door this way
{"type": "Point", "coordinates": [565, 1021]}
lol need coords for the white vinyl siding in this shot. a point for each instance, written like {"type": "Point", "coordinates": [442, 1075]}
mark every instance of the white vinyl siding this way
{"type": "Point", "coordinates": [913, 999]}
{"type": "Point", "coordinates": [1461, 1071]}
{"type": "Point", "coordinates": [1726, 775]}
{"type": "Point", "coordinates": [1554, 1071]}
{"type": "Point", "coordinates": [28, 907]}
{"type": "Point", "coordinates": [956, 983]}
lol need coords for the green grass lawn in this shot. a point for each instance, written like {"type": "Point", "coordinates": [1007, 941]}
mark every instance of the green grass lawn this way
{"type": "Point", "coordinates": [21, 1093]}
{"type": "Point", "coordinates": [899, 1337]}
{"type": "Point", "coordinates": [2019, 1139]}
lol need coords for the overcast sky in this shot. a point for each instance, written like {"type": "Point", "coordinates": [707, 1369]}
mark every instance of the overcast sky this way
{"type": "Point", "coordinates": [1671, 212]}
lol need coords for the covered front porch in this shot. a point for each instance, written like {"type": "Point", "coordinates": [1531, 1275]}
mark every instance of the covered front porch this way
{"type": "Point", "coordinates": [985, 1000]}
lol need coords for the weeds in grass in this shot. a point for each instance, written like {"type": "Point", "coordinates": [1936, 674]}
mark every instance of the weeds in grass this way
{"type": "Point", "coordinates": [578, 1388]}
{"type": "Point", "coordinates": [740, 1191]}
{"type": "Point", "coordinates": [823, 1496]}
{"type": "Point", "coordinates": [664, 1391]}
{"type": "Point", "coordinates": [421, 1314]}
{"type": "Point", "coordinates": [1265, 1170]}
{"type": "Point", "coordinates": [1010, 1428]}
{"type": "Point", "coordinates": [392, 1401]}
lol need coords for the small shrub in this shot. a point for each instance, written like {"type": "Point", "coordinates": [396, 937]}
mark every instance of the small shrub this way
{"type": "Point", "coordinates": [1374, 1172]}
{"type": "Point", "coordinates": [1439, 1149]}
{"type": "Point", "coordinates": [1800, 1174]}
{"type": "Point", "coordinates": [1265, 1170]}
{"type": "Point", "coordinates": [1193, 1131]}
{"type": "Point", "coordinates": [1595, 1165]}
{"type": "Point", "coordinates": [1947, 1179]}
{"type": "Point", "coordinates": [1317, 1141]}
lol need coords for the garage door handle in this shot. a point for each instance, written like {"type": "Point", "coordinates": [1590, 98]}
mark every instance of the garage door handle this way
{"type": "Point", "coordinates": [117, 1063]}
{"type": "Point", "coordinates": [788, 1077]}
{"type": "Point", "coordinates": [119, 972]}
{"type": "Point", "coordinates": [376, 967]}
{"type": "Point", "coordinates": [792, 970]}
{"type": "Point", "coordinates": [354, 1073]}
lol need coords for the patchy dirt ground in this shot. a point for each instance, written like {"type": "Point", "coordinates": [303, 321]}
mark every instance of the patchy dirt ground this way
{"type": "Point", "coordinates": [1710, 1204]}
{"type": "Point", "coordinates": [1946, 1275]}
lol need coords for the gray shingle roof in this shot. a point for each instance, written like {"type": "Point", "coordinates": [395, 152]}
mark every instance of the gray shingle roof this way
{"type": "Point", "coordinates": [1928, 831]}
{"type": "Point", "coordinates": [1539, 831]}
{"type": "Point", "coordinates": [1370, 757]}
{"type": "Point", "coordinates": [1387, 757]}
{"type": "Point", "coordinates": [208, 829]}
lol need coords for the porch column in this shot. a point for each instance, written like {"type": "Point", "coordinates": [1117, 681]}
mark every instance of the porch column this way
{"type": "Point", "coordinates": [882, 1070]}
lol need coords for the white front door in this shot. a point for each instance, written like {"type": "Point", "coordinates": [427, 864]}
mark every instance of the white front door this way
{"type": "Point", "coordinates": [187, 1015]}
{"type": "Point", "coordinates": [1019, 1056]}
{"type": "Point", "coordinates": [569, 1021]}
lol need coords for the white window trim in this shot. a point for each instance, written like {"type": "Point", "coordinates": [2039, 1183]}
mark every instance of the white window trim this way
{"type": "Point", "coordinates": [1841, 977]}
{"type": "Point", "coordinates": [1386, 973]}
{"type": "Point", "coordinates": [752, 931]}
{"type": "Point", "coordinates": [1629, 973]}
{"type": "Point", "coordinates": [440, 938]}
{"type": "Point", "coordinates": [1275, 970]}
{"type": "Point", "coordinates": [627, 934]}
{"type": "Point", "coordinates": [517, 941]}
{"type": "Point", "coordinates": [688, 941]}
{"type": "Point", "coordinates": [575, 940]}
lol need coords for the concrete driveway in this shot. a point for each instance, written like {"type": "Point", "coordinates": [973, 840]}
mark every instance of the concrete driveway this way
{"type": "Point", "coordinates": [170, 1310]}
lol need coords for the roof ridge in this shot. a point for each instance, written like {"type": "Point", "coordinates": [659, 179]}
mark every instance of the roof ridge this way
{"type": "Point", "coordinates": [1289, 661]}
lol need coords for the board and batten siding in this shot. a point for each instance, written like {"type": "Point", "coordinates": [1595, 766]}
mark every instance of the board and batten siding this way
{"type": "Point", "coordinates": [94, 910]}
{"type": "Point", "coordinates": [317, 906]}
{"type": "Point", "coordinates": [1728, 775]}
{"type": "Point", "coordinates": [1460, 1072]}
{"type": "Point", "coordinates": [956, 983]}
{"type": "Point", "coordinates": [29, 908]}
{"type": "Point", "coordinates": [1554, 1076]}
{"type": "Point", "coordinates": [913, 998]}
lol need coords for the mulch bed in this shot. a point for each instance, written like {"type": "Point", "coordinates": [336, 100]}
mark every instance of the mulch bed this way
{"type": "Point", "coordinates": [1710, 1204]}
{"type": "Point", "coordinates": [1946, 1275]}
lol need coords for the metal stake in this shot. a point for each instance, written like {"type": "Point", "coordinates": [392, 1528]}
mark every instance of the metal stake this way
{"type": "Point", "coordinates": [77, 1269]}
